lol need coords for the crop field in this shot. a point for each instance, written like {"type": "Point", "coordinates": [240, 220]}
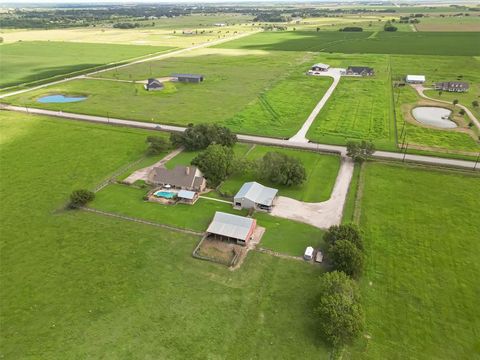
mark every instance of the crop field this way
{"type": "Point", "coordinates": [451, 23]}
{"type": "Point", "coordinates": [321, 170]}
{"type": "Point", "coordinates": [415, 43]}
{"type": "Point", "coordinates": [24, 62]}
{"type": "Point", "coordinates": [70, 277]}
{"type": "Point", "coordinates": [421, 286]}
{"type": "Point", "coordinates": [247, 91]}
{"type": "Point", "coordinates": [360, 108]}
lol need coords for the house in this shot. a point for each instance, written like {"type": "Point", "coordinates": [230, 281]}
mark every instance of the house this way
{"type": "Point", "coordinates": [188, 78]}
{"type": "Point", "coordinates": [153, 84]}
{"type": "Point", "coordinates": [452, 86]}
{"type": "Point", "coordinates": [320, 67]}
{"type": "Point", "coordinates": [181, 177]}
{"type": "Point", "coordinates": [187, 196]}
{"type": "Point", "coordinates": [253, 195]}
{"type": "Point", "coordinates": [359, 71]}
{"type": "Point", "coordinates": [231, 227]}
{"type": "Point", "coordinates": [308, 255]}
{"type": "Point", "coordinates": [415, 79]}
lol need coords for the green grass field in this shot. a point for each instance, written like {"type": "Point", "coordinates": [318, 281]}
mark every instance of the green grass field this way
{"type": "Point", "coordinates": [424, 43]}
{"type": "Point", "coordinates": [29, 61]}
{"type": "Point", "coordinates": [76, 284]}
{"type": "Point", "coordinates": [421, 286]}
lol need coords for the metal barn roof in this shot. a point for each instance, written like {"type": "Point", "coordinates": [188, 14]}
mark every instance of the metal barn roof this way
{"type": "Point", "coordinates": [320, 65]}
{"type": "Point", "coordinates": [257, 193]}
{"type": "Point", "coordinates": [186, 194]}
{"type": "Point", "coordinates": [193, 76]}
{"type": "Point", "coordinates": [415, 77]}
{"type": "Point", "coordinates": [234, 226]}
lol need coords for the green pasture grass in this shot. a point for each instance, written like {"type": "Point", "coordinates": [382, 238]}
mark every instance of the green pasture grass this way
{"type": "Point", "coordinates": [321, 171]}
{"type": "Point", "coordinates": [360, 108]}
{"type": "Point", "coordinates": [76, 284]}
{"type": "Point", "coordinates": [350, 203]}
{"type": "Point", "coordinates": [420, 288]}
{"type": "Point", "coordinates": [29, 61]}
{"type": "Point", "coordinates": [251, 92]}
{"type": "Point", "coordinates": [426, 43]}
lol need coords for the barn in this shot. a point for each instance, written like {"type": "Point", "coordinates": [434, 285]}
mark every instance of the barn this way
{"type": "Point", "coordinates": [415, 79]}
{"type": "Point", "coordinates": [229, 227]}
{"type": "Point", "coordinates": [320, 67]}
{"type": "Point", "coordinates": [153, 84]}
{"type": "Point", "coordinates": [188, 78]}
{"type": "Point", "coordinates": [253, 195]}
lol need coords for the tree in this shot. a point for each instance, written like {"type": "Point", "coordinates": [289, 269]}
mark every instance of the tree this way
{"type": "Point", "coordinates": [455, 102]}
{"type": "Point", "coordinates": [281, 169]}
{"type": "Point", "coordinates": [461, 112]}
{"type": "Point", "coordinates": [340, 315]}
{"type": "Point", "coordinates": [389, 27]}
{"type": "Point", "coordinates": [215, 163]}
{"type": "Point", "coordinates": [344, 232]}
{"type": "Point", "coordinates": [80, 198]}
{"type": "Point", "coordinates": [157, 145]}
{"type": "Point", "coordinates": [346, 257]}
{"type": "Point", "coordinates": [475, 103]}
{"type": "Point", "coordinates": [360, 151]}
{"type": "Point", "coordinates": [198, 137]}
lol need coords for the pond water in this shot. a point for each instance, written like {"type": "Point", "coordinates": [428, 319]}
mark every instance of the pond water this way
{"type": "Point", "coordinates": [60, 99]}
{"type": "Point", "coordinates": [434, 116]}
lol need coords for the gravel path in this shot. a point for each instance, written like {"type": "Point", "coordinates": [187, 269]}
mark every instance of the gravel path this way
{"type": "Point", "coordinates": [323, 214]}
{"type": "Point", "coordinates": [334, 73]}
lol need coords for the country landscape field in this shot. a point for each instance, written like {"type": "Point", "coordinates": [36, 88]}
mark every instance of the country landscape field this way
{"type": "Point", "coordinates": [240, 181]}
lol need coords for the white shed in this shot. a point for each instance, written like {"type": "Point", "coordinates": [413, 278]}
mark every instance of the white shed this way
{"type": "Point", "coordinates": [415, 79]}
{"type": "Point", "coordinates": [308, 255]}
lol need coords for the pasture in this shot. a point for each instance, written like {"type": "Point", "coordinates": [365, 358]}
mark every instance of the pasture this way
{"type": "Point", "coordinates": [450, 23]}
{"type": "Point", "coordinates": [70, 277]}
{"type": "Point", "coordinates": [414, 43]}
{"type": "Point", "coordinates": [25, 62]}
{"type": "Point", "coordinates": [420, 288]}
{"type": "Point", "coordinates": [250, 92]}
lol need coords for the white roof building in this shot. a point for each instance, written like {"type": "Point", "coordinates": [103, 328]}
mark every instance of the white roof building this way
{"type": "Point", "coordinates": [253, 194]}
{"type": "Point", "coordinates": [232, 226]}
{"type": "Point", "coordinates": [308, 255]}
{"type": "Point", "coordinates": [415, 79]}
{"type": "Point", "coordinates": [321, 66]}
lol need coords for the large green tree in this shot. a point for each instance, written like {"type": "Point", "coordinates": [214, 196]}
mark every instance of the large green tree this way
{"type": "Point", "coordinates": [156, 145]}
{"type": "Point", "coordinates": [81, 197]}
{"type": "Point", "coordinates": [349, 232]}
{"type": "Point", "coordinates": [346, 257]}
{"type": "Point", "coordinates": [198, 137]}
{"type": "Point", "coordinates": [339, 312]}
{"type": "Point", "coordinates": [360, 151]}
{"type": "Point", "coordinates": [215, 162]}
{"type": "Point", "coordinates": [281, 169]}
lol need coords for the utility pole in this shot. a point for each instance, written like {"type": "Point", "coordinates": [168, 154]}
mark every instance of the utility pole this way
{"type": "Point", "coordinates": [476, 162]}
{"type": "Point", "coordinates": [405, 153]}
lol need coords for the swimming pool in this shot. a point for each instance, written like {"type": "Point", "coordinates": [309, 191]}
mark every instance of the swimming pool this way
{"type": "Point", "coordinates": [51, 99]}
{"type": "Point", "coordinates": [165, 194]}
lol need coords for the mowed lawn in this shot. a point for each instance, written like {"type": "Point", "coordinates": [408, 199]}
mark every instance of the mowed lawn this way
{"type": "Point", "coordinates": [248, 91]}
{"type": "Point", "coordinates": [420, 288]}
{"type": "Point", "coordinates": [422, 43]}
{"type": "Point", "coordinates": [76, 284]}
{"type": "Point", "coordinates": [360, 108]}
{"type": "Point", "coordinates": [28, 61]}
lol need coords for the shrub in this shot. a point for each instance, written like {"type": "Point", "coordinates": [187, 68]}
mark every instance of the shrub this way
{"type": "Point", "coordinates": [346, 257]}
{"type": "Point", "coordinates": [80, 198]}
{"type": "Point", "coordinates": [352, 29]}
{"type": "Point", "coordinates": [157, 145]}
{"type": "Point", "coordinates": [475, 103]}
{"type": "Point", "coordinates": [281, 169]}
{"type": "Point", "coordinates": [339, 312]}
{"type": "Point", "coordinates": [360, 151]}
{"type": "Point", "coordinates": [344, 232]}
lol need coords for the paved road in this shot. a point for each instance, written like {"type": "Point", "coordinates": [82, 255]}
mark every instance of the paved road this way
{"type": "Point", "coordinates": [334, 73]}
{"type": "Point", "coordinates": [155, 57]}
{"type": "Point", "coordinates": [247, 138]}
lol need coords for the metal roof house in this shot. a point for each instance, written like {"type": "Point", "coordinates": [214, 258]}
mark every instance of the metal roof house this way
{"type": "Point", "coordinates": [320, 67]}
{"type": "Point", "coordinates": [452, 86]}
{"type": "Point", "coordinates": [181, 177]}
{"type": "Point", "coordinates": [359, 71]}
{"type": "Point", "coordinates": [232, 227]}
{"type": "Point", "coordinates": [153, 84]}
{"type": "Point", "coordinates": [188, 78]}
{"type": "Point", "coordinates": [253, 195]}
{"type": "Point", "coordinates": [415, 79]}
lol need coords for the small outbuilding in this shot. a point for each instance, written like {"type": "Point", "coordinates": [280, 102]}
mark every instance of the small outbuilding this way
{"type": "Point", "coordinates": [229, 227]}
{"type": "Point", "coordinates": [452, 86]}
{"type": "Point", "coordinates": [308, 255]}
{"type": "Point", "coordinates": [359, 71]}
{"type": "Point", "coordinates": [415, 79]}
{"type": "Point", "coordinates": [320, 67]}
{"type": "Point", "coordinates": [153, 85]}
{"type": "Point", "coordinates": [188, 78]}
{"type": "Point", "coordinates": [253, 195]}
{"type": "Point", "coordinates": [187, 196]}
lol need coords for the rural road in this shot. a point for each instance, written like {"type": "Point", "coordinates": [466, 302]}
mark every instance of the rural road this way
{"type": "Point", "coordinates": [155, 57]}
{"type": "Point", "coordinates": [341, 150]}
{"type": "Point", "coordinates": [334, 73]}
{"type": "Point", "coordinates": [420, 89]}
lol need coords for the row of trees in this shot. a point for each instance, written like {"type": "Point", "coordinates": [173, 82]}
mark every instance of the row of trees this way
{"type": "Point", "coordinates": [199, 137]}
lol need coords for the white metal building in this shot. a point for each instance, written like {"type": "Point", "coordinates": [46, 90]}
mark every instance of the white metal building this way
{"type": "Point", "coordinates": [415, 79]}
{"type": "Point", "coordinates": [253, 195]}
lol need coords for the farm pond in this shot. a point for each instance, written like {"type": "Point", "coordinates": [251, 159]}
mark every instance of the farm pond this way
{"type": "Point", "coordinates": [434, 116]}
{"type": "Point", "coordinates": [59, 98]}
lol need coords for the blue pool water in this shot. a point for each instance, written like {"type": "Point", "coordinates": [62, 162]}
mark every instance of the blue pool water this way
{"type": "Point", "coordinates": [165, 194]}
{"type": "Point", "coordinates": [60, 99]}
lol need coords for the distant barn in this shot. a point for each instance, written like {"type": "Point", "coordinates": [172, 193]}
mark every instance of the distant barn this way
{"type": "Point", "coordinates": [320, 67]}
{"type": "Point", "coordinates": [153, 84]}
{"type": "Point", "coordinates": [188, 78]}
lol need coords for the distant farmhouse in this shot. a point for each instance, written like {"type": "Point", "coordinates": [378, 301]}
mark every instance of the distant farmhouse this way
{"type": "Point", "coordinates": [415, 79]}
{"type": "Point", "coordinates": [452, 86]}
{"type": "Point", "coordinates": [181, 177]}
{"type": "Point", "coordinates": [188, 78]}
{"type": "Point", "coordinates": [253, 195]}
{"type": "Point", "coordinates": [229, 227]}
{"type": "Point", "coordinates": [320, 67]}
{"type": "Point", "coordinates": [153, 85]}
{"type": "Point", "coordinates": [360, 71]}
